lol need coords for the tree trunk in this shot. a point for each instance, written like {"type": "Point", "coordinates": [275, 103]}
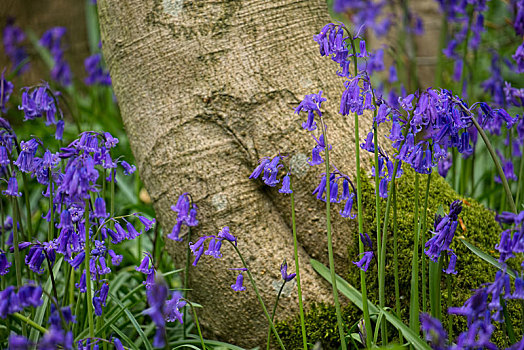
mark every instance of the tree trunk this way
{"type": "Point", "coordinates": [206, 88]}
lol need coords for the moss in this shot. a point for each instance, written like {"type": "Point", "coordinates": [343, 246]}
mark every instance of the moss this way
{"type": "Point", "coordinates": [478, 227]}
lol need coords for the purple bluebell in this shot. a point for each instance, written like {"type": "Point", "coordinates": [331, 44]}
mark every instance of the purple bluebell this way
{"type": "Point", "coordinates": [260, 168]}
{"type": "Point", "coordinates": [78, 260]}
{"type": "Point", "coordinates": [311, 104]}
{"type": "Point", "coordinates": [173, 307]}
{"type": "Point", "coordinates": [366, 240]}
{"type": "Point", "coordinates": [30, 296]}
{"type": "Point", "coordinates": [444, 232]}
{"type": "Point", "coordinates": [6, 88]}
{"type": "Point", "coordinates": [19, 342]}
{"type": "Point", "coordinates": [132, 233]}
{"type": "Point", "coordinates": [103, 269]}
{"type": "Point", "coordinates": [175, 232]}
{"type": "Point", "coordinates": [96, 74]}
{"type": "Point", "coordinates": [375, 62]}
{"type": "Point", "coordinates": [213, 248]}
{"type": "Point", "coordinates": [38, 103]}
{"type": "Point", "coordinates": [25, 161]}
{"type": "Point", "coordinates": [433, 331]}
{"type": "Point", "coordinates": [156, 298]}
{"type": "Point", "coordinates": [81, 285]}
{"type": "Point", "coordinates": [368, 145]}
{"type": "Point", "coordinates": [35, 258]}
{"type": "Point", "coordinates": [13, 36]}
{"type": "Point", "coordinates": [116, 259]}
{"type": "Point", "coordinates": [237, 286]}
{"type": "Point", "coordinates": [59, 129]}
{"type": "Point", "coordinates": [128, 169]}
{"type": "Point", "coordinates": [4, 264]}
{"type": "Point", "coordinates": [144, 265]}
{"type": "Point", "coordinates": [363, 263]}
{"type": "Point", "coordinates": [283, 272]}
{"type": "Point", "coordinates": [333, 190]}
{"type": "Point", "coordinates": [225, 234]}
{"type": "Point", "coordinates": [117, 344]}
{"type": "Point", "coordinates": [148, 223]}
{"type": "Point", "coordinates": [286, 183]}
{"type": "Point", "coordinates": [100, 208]}
{"type": "Point", "coordinates": [452, 263]}
{"type": "Point", "coordinates": [346, 212]}
{"type": "Point", "coordinates": [519, 59]}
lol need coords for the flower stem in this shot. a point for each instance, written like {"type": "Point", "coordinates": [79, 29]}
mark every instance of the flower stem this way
{"type": "Point", "coordinates": [395, 257]}
{"type": "Point", "coordinates": [253, 284]}
{"type": "Point", "coordinates": [297, 269]}
{"type": "Point", "coordinates": [197, 324]}
{"type": "Point", "coordinates": [340, 323]}
{"type": "Point", "coordinates": [87, 251]}
{"type": "Point", "coordinates": [50, 233]}
{"type": "Point", "coordinates": [422, 240]}
{"type": "Point", "coordinates": [381, 256]}
{"type": "Point", "coordinates": [186, 276]}
{"type": "Point", "coordinates": [18, 262]}
{"type": "Point", "coordinates": [273, 313]}
{"type": "Point", "coordinates": [365, 307]}
{"type": "Point", "coordinates": [414, 302]}
{"type": "Point", "coordinates": [30, 322]}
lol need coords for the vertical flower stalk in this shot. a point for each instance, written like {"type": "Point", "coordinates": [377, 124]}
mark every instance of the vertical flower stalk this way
{"type": "Point", "coordinates": [414, 302]}
{"type": "Point", "coordinates": [365, 307]}
{"type": "Point", "coordinates": [395, 257]}
{"type": "Point", "coordinates": [423, 239]}
{"type": "Point", "coordinates": [340, 323]}
{"type": "Point", "coordinates": [297, 269]}
{"type": "Point", "coordinates": [87, 251]}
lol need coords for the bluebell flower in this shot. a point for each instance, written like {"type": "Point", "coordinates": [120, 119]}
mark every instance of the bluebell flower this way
{"type": "Point", "coordinates": [128, 169]}
{"type": "Point", "coordinates": [363, 263]}
{"type": "Point", "coordinates": [519, 59]}
{"type": "Point", "coordinates": [311, 104]}
{"type": "Point", "coordinates": [38, 103]}
{"type": "Point", "coordinates": [445, 228]}
{"type": "Point", "coordinates": [96, 74]}
{"type": "Point", "coordinates": [100, 208]}
{"type": "Point", "coordinates": [25, 161]}
{"type": "Point", "coordinates": [12, 38]}
{"type": "Point", "coordinates": [346, 212]}
{"type": "Point", "coordinates": [286, 182]}
{"type": "Point", "coordinates": [175, 232]}
{"type": "Point", "coordinates": [148, 223]}
{"type": "Point", "coordinates": [116, 259]}
{"type": "Point", "coordinates": [19, 342]}
{"type": "Point", "coordinates": [78, 260]}
{"type": "Point", "coordinates": [132, 233]}
{"type": "Point", "coordinates": [283, 272]}
{"type": "Point", "coordinates": [173, 307]}
{"type": "Point", "coordinates": [117, 344]}
{"type": "Point", "coordinates": [452, 263]}
{"type": "Point", "coordinates": [368, 145]}
{"type": "Point", "coordinates": [30, 295]}
{"type": "Point", "coordinates": [237, 286]}
{"type": "Point", "coordinates": [6, 88]}
{"type": "Point", "coordinates": [81, 285]}
{"type": "Point", "coordinates": [4, 264]}
{"type": "Point", "coordinates": [35, 258]}
{"type": "Point", "coordinates": [156, 298]}
{"type": "Point", "coordinates": [65, 220]}
{"type": "Point", "coordinates": [144, 265]}
{"type": "Point", "coordinates": [225, 234]}
{"type": "Point", "coordinates": [433, 331]}
{"type": "Point", "coordinates": [366, 240]}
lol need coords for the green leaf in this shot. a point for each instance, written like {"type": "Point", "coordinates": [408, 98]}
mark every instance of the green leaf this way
{"type": "Point", "coordinates": [124, 337]}
{"type": "Point", "coordinates": [354, 295]}
{"type": "Point", "coordinates": [40, 312]}
{"type": "Point", "coordinates": [134, 322]}
{"type": "Point", "coordinates": [487, 258]}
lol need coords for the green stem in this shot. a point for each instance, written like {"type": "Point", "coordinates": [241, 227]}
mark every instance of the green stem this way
{"type": "Point", "coordinates": [273, 314]}
{"type": "Point", "coordinates": [197, 323]}
{"type": "Point", "coordinates": [340, 323]}
{"type": "Point", "coordinates": [365, 307]}
{"type": "Point", "coordinates": [450, 300]}
{"type": "Point", "coordinates": [434, 289]}
{"type": "Point", "coordinates": [395, 258]}
{"type": "Point", "coordinates": [423, 239]}
{"type": "Point", "coordinates": [50, 233]}
{"type": "Point", "coordinates": [88, 272]}
{"type": "Point", "coordinates": [186, 276]}
{"type": "Point", "coordinates": [18, 262]}
{"type": "Point", "coordinates": [253, 284]}
{"type": "Point", "coordinates": [414, 309]}
{"type": "Point", "coordinates": [28, 209]}
{"type": "Point", "coordinates": [381, 255]}
{"type": "Point", "coordinates": [297, 269]}
{"type": "Point", "coordinates": [29, 322]}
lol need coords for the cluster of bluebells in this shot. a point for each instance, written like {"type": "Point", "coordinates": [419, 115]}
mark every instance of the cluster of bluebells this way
{"type": "Point", "coordinates": [444, 231]}
{"type": "Point", "coordinates": [12, 38]}
{"type": "Point", "coordinates": [96, 73]}
{"type": "Point", "coordinates": [213, 249]}
{"type": "Point", "coordinates": [270, 167]}
{"type": "Point", "coordinates": [69, 179]}
{"type": "Point", "coordinates": [186, 216]}
{"type": "Point", "coordinates": [42, 102]}
{"type": "Point", "coordinates": [485, 306]}
{"type": "Point", "coordinates": [162, 310]}
{"type": "Point", "coordinates": [52, 40]}
{"type": "Point", "coordinates": [367, 14]}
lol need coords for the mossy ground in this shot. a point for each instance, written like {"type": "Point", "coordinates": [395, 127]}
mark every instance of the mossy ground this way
{"type": "Point", "coordinates": [478, 227]}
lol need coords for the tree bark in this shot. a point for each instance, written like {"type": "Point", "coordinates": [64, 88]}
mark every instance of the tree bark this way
{"type": "Point", "coordinates": [206, 88]}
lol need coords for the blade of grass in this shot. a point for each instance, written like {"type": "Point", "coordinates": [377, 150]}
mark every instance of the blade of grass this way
{"type": "Point", "coordinates": [486, 257]}
{"type": "Point", "coordinates": [133, 320]}
{"type": "Point", "coordinates": [124, 337]}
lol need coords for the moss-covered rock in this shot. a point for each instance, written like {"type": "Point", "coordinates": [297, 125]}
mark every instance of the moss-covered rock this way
{"type": "Point", "coordinates": [477, 226]}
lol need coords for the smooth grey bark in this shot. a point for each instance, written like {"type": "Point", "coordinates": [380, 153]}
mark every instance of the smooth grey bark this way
{"type": "Point", "coordinates": [206, 88]}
